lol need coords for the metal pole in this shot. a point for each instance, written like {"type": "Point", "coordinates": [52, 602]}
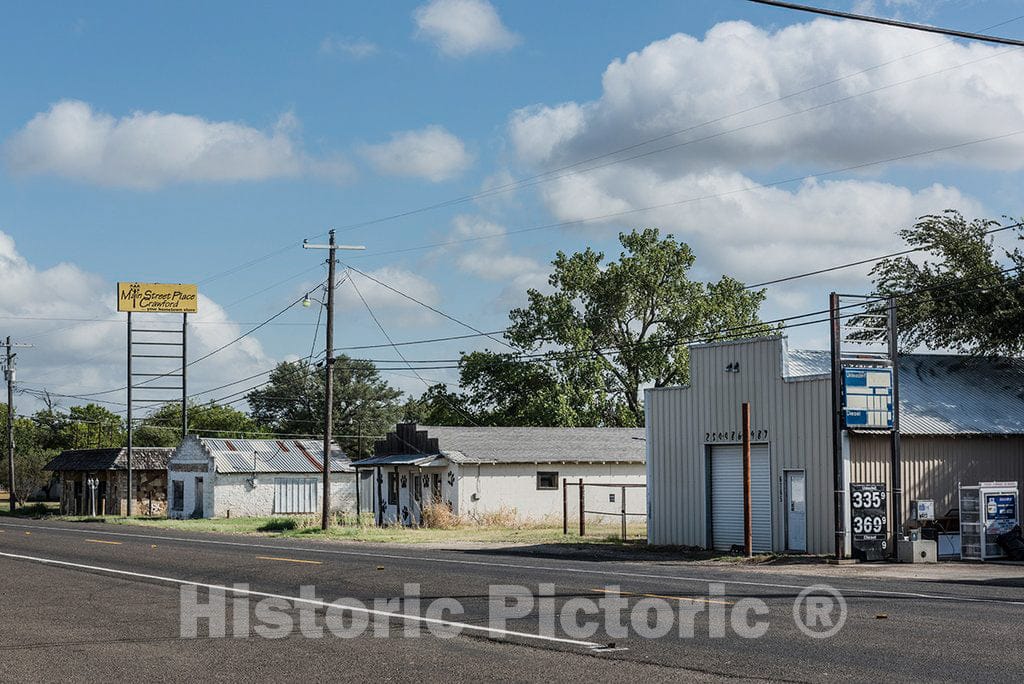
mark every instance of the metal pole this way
{"type": "Point", "coordinates": [565, 505]}
{"type": "Point", "coordinates": [837, 429]}
{"type": "Point", "coordinates": [359, 485]}
{"type": "Point", "coordinates": [623, 514]}
{"type": "Point", "coordinates": [184, 376]}
{"type": "Point", "coordinates": [325, 520]}
{"type": "Point", "coordinates": [897, 464]}
{"type": "Point", "coordinates": [583, 524]}
{"type": "Point", "coordinates": [379, 478]}
{"type": "Point", "coordinates": [748, 519]}
{"type": "Point", "coordinates": [129, 413]}
{"type": "Point", "coordinates": [10, 426]}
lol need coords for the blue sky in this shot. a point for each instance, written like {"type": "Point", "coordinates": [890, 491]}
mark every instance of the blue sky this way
{"type": "Point", "coordinates": [166, 142]}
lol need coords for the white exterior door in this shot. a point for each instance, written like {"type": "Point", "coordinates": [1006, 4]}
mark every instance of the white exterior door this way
{"type": "Point", "coordinates": [796, 511]}
{"type": "Point", "coordinates": [727, 497]}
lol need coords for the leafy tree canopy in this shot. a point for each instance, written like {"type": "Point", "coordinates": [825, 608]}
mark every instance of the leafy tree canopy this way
{"type": "Point", "coordinates": [965, 295]}
{"type": "Point", "coordinates": [604, 331]}
{"type": "Point", "coordinates": [163, 427]}
{"type": "Point", "coordinates": [365, 405]}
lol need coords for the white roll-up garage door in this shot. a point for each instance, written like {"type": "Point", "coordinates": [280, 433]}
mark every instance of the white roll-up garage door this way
{"type": "Point", "coordinates": [727, 496]}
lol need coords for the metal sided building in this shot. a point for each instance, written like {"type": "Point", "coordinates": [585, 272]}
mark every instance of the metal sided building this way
{"type": "Point", "coordinates": [962, 422]}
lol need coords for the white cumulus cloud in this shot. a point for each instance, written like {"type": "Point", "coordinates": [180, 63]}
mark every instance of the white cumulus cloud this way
{"type": "Point", "coordinates": [431, 153]}
{"type": "Point", "coordinates": [153, 149]}
{"type": "Point", "coordinates": [889, 92]}
{"type": "Point", "coordinates": [69, 315]}
{"type": "Point", "coordinates": [462, 27]}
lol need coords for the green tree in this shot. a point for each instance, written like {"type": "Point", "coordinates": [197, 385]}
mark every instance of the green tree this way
{"type": "Point", "coordinates": [437, 406]}
{"type": "Point", "coordinates": [30, 456]}
{"type": "Point", "coordinates": [608, 329]}
{"type": "Point", "coordinates": [163, 427]}
{"type": "Point", "coordinates": [365, 405]}
{"type": "Point", "coordinates": [966, 294]}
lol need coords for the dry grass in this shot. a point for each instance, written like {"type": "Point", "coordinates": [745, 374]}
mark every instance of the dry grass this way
{"type": "Point", "coordinates": [437, 516]}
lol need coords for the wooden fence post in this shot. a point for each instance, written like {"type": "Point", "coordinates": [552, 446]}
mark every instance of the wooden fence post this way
{"type": "Point", "coordinates": [583, 524]}
{"type": "Point", "coordinates": [565, 505]}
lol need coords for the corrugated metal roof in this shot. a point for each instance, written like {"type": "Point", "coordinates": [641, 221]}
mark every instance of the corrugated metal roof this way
{"type": "Point", "coordinates": [143, 458]}
{"type": "Point", "coordinates": [272, 456]}
{"type": "Point", "coordinates": [539, 444]}
{"type": "Point", "coordinates": [943, 394]}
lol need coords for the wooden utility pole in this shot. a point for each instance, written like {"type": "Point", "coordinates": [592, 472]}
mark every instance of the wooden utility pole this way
{"type": "Point", "coordinates": [10, 374]}
{"type": "Point", "coordinates": [10, 427]}
{"type": "Point", "coordinates": [332, 247]}
{"type": "Point", "coordinates": [748, 518]}
{"type": "Point", "coordinates": [838, 479]}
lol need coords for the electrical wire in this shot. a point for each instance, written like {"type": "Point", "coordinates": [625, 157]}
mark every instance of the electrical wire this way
{"type": "Point", "coordinates": [697, 198]}
{"type": "Point", "coordinates": [551, 173]}
{"type": "Point", "coordinates": [890, 22]}
{"type": "Point", "coordinates": [399, 352]}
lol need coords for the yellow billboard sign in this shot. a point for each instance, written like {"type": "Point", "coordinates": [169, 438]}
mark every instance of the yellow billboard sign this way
{"type": "Point", "coordinates": [157, 297]}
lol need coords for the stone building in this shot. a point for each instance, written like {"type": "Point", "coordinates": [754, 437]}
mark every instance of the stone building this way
{"type": "Point", "coordinates": [95, 481]}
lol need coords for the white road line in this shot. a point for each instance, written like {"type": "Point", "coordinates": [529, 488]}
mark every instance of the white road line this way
{"type": "Point", "coordinates": [522, 566]}
{"type": "Point", "coordinates": [492, 631]}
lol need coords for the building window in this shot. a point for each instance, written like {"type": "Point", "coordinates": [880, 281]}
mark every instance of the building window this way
{"type": "Point", "coordinates": [547, 480]}
{"type": "Point", "coordinates": [177, 495]}
{"type": "Point", "coordinates": [392, 489]}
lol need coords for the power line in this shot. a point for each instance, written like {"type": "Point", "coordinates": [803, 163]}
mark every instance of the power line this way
{"type": "Point", "coordinates": [421, 303]}
{"type": "Point", "coordinates": [698, 198]}
{"type": "Point", "coordinates": [891, 22]}
{"type": "Point", "coordinates": [399, 352]}
{"type": "Point", "coordinates": [555, 172]}
{"type": "Point", "coordinates": [850, 264]}
{"type": "Point", "coordinates": [208, 354]}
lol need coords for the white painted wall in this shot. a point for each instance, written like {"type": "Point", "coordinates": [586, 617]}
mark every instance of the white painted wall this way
{"type": "Point", "coordinates": [190, 456]}
{"type": "Point", "coordinates": [489, 488]}
{"type": "Point", "coordinates": [223, 492]}
{"type": "Point", "coordinates": [234, 493]}
{"type": "Point", "coordinates": [406, 497]}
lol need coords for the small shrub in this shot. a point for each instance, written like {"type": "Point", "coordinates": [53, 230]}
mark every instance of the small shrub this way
{"type": "Point", "coordinates": [439, 516]}
{"type": "Point", "coordinates": [278, 525]}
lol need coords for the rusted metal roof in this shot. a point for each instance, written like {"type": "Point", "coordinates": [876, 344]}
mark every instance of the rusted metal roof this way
{"type": "Point", "coordinates": [143, 458]}
{"type": "Point", "coordinates": [272, 456]}
{"type": "Point", "coordinates": [945, 394]}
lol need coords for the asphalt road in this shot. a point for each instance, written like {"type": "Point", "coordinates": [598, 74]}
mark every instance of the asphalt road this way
{"type": "Point", "coordinates": [89, 601]}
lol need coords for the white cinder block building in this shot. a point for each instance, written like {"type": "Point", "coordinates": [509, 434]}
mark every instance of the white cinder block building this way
{"type": "Point", "coordinates": [209, 478]}
{"type": "Point", "coordinates": [477, 470]}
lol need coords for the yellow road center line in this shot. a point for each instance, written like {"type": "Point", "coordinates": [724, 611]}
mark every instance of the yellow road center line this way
{"type": "Point", "coordinates": [103, 541]}
{"type": "Point", "coordinates": [290, 560]}
{"type": "Point", "coordinates": [670, 598]}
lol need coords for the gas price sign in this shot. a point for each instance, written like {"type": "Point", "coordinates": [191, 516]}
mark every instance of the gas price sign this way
{"type": "Point", "coordinates": [869, 521]}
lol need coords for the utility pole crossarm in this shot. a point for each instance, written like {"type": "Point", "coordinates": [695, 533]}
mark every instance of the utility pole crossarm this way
{"type": "Point", "coordinates": [325, 520]}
